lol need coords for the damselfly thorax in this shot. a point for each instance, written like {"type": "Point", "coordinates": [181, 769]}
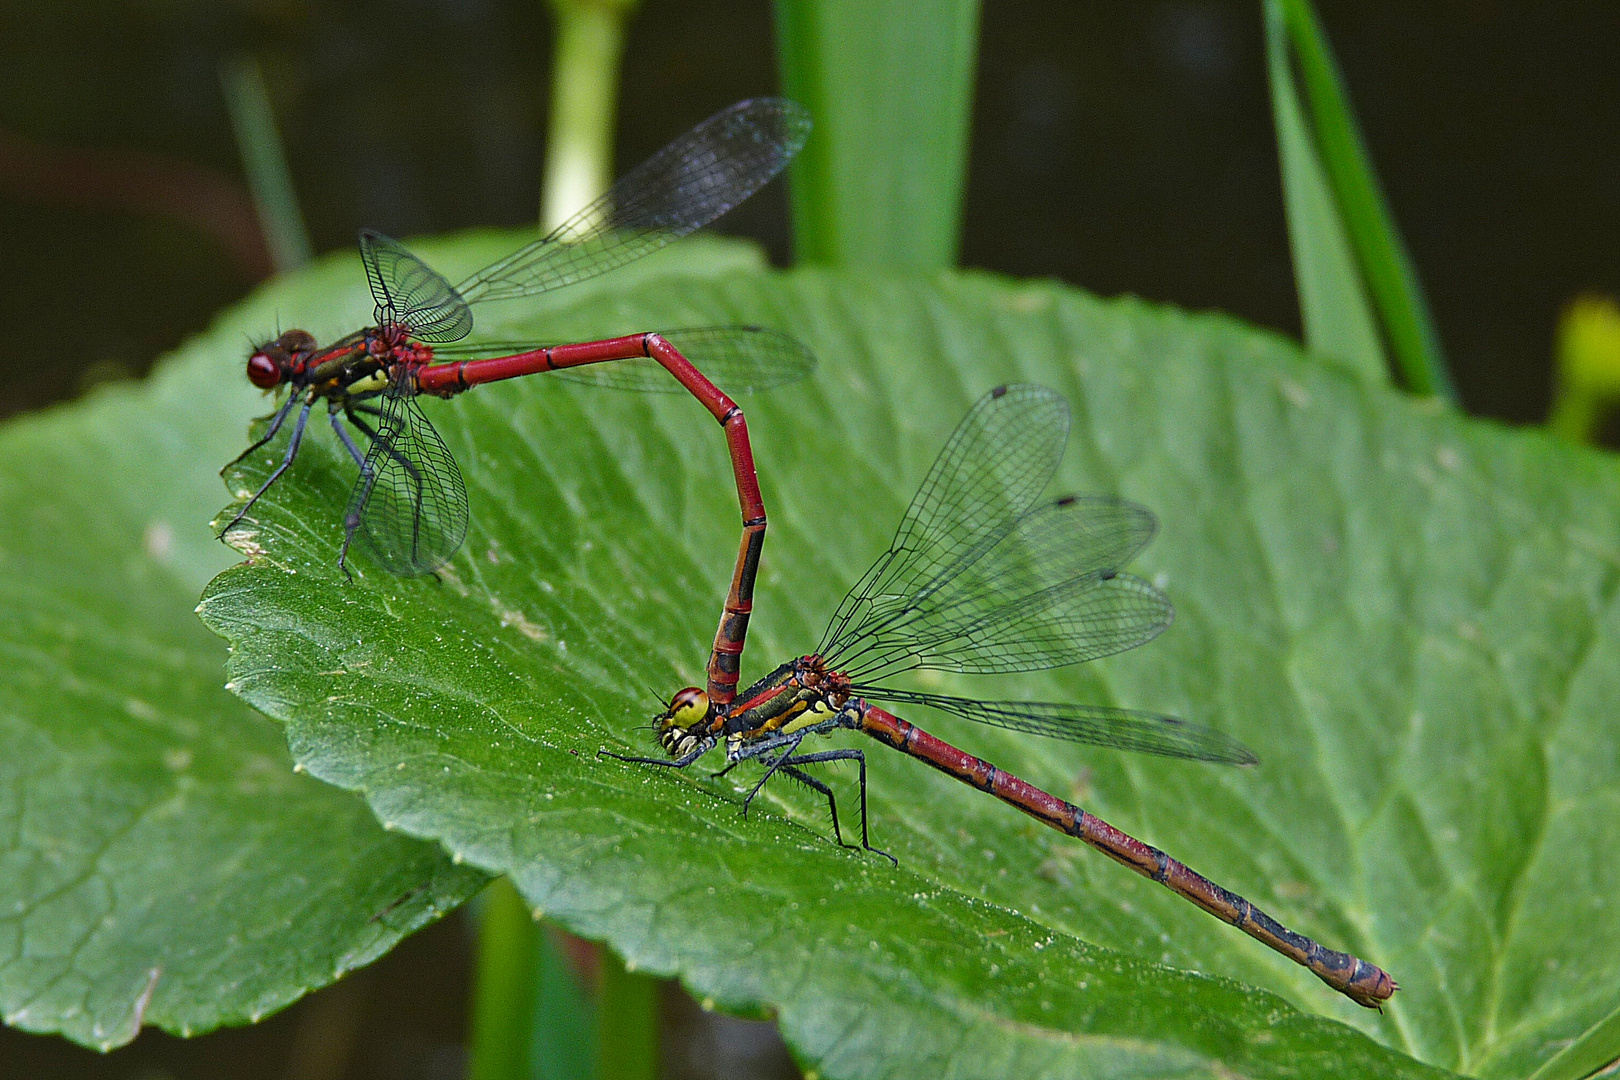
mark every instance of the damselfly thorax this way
{"type": "Point", "coordinates": [358, 365]}
{"type": "Point", "coordinates": [800, 697]}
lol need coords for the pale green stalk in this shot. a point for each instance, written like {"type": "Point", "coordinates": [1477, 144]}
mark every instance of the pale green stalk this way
{"type": "Point", "coordinates": [584, 94]}
{"type": "Point", "coordinates": [269, 178]}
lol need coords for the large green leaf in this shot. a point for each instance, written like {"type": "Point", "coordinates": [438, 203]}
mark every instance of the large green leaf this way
{"type": "Point", "coordinates": [1408, 614]}
{"type": "Point", "coordinates": [159, 859]}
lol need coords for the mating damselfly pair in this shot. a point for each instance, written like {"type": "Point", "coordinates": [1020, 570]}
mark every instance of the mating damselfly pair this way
{"type": "Point", "coordinates": [983, 576]}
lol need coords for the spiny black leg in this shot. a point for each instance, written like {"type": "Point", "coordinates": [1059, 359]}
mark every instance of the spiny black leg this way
{"type": "Point", "coordinates": [366, 474]}
{"type": "Point", "coordinates": [842, 755]}
{"type": "Point", "coordinates": [771, 765]}
{"type": "Point", "coordinates": [286, 462]}
{"type": "Point", "coordinates": [276, 419]}
{"type": "Point", "coordinates": [367, 481]}
{"type": "Point", "coordinates": [388, 448]}
{"type": "Point", "coordinates": [394, 452]}
{"type": "Point", "coordinates": [348, 443]}
{"type": "Point", "coordinates": [728, 768]}
{"type": "Point", "coordinates": [676, 763]}
{"type": "Point", "coordinates": [832, 803]}
{"type": "Point", "coordinates": [350, 409]}
{"type": "Point", "coordinates": [351, 521]}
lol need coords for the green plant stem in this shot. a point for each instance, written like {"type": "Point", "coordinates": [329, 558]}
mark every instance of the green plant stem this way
{"type": "Point", "coordinates": [268, 175]}
{"type": "Point", "coordinates": [584, 90]}
{"type": "Point", "coordinates": [564, 1018]}
{"type": "Point", "coordinates": [1385, 263]}
{"type": "Point", "coordinates": [890, 86]}
{"type": "Point", "coordinates": [505, 988]}
{"type": "Point", "coordinates": [627, 1022]}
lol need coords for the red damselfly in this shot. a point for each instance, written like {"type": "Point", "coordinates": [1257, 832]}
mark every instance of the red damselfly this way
{"type": "Point", "coordinates": [409, 504]}
{"type": "Point", "coordinates": [983, 577]}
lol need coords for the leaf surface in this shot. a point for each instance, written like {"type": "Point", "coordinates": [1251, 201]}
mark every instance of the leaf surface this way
{"type": "Point", "coordinates": [1409, 615]}
{"type": "Point", "coordinates": [160, 862]}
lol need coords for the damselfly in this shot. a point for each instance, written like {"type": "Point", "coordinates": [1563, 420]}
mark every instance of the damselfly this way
{"type": "Point", "coordinates": [410, 503]}
{"type": "Point", "coordinates": [984, 577]}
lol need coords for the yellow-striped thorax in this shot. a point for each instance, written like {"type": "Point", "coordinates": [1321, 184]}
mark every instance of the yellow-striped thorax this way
{"type": "Point", "coordinates": [801, 694]}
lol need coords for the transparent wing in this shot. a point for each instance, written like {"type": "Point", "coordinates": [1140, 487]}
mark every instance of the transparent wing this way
{"type": "Point", "coordinates": [410, 503]}
{"type": "Point", "coordinates": [737, 359]}
{"type": "Point", "coordinates": [482, 347]}
{"type": "Point", "coordinates": [1094, 725]}
{"type": "Point", "coordinates": [991, 471]}
{"type": "Point", "coordinates": [681, 188]}
{"type": "Point", "coordinates": [410, 293]}
{"type": "Point", "coordinates": [1048, 593]}
{"type": "Point", "coordinates": [1079, 620]}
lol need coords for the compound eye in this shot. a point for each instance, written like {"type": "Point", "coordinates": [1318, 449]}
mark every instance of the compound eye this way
{"type": "Point", "coordinates": [689, 707]}
{"type": "Point", "coordinates": [263, 372]}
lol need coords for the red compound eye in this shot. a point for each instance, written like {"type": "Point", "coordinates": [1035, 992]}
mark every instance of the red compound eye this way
{"type": "Point", "coordinates": [263, 372]}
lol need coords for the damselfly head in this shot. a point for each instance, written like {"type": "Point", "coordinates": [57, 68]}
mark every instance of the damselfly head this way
{"type": "Point", "coordinates": [688, 709]}
{"type": "Point", "coordinates": [273, 362]}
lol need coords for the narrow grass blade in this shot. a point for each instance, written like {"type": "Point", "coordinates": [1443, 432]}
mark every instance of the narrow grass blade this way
{"type": "Point", "coordinates": [1338, 315]}
{"type": "Point", "coordinates": [1386, 267]}
{"type": "Point", "coordinates": [890, 84]}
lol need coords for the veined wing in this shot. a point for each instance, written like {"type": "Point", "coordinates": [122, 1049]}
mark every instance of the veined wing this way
{"type": "Point", "coordinates": [1046, 594]}
{"type": "Point", "coordinates": [737, 359]}
{"type": "Point", "coordinates": [410, 503]}
{"type": "Point", "coordinates": [1094, 725]}
{"type": "Point", "coordinates": [410, 293]}
{"type": "Point", "coordinates": [990, 473]}
{"type": "Point", "coordinates": [681, 188]}
{"type": "Point", "coordinates": [1081, 619]}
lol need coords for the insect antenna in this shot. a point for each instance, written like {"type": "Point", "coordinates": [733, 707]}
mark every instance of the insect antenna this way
{"type": "Point", "coordinates": [658, 699]}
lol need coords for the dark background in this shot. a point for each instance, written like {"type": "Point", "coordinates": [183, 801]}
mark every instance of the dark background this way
{"type": "Point", "coordinates": [1124, 148]}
